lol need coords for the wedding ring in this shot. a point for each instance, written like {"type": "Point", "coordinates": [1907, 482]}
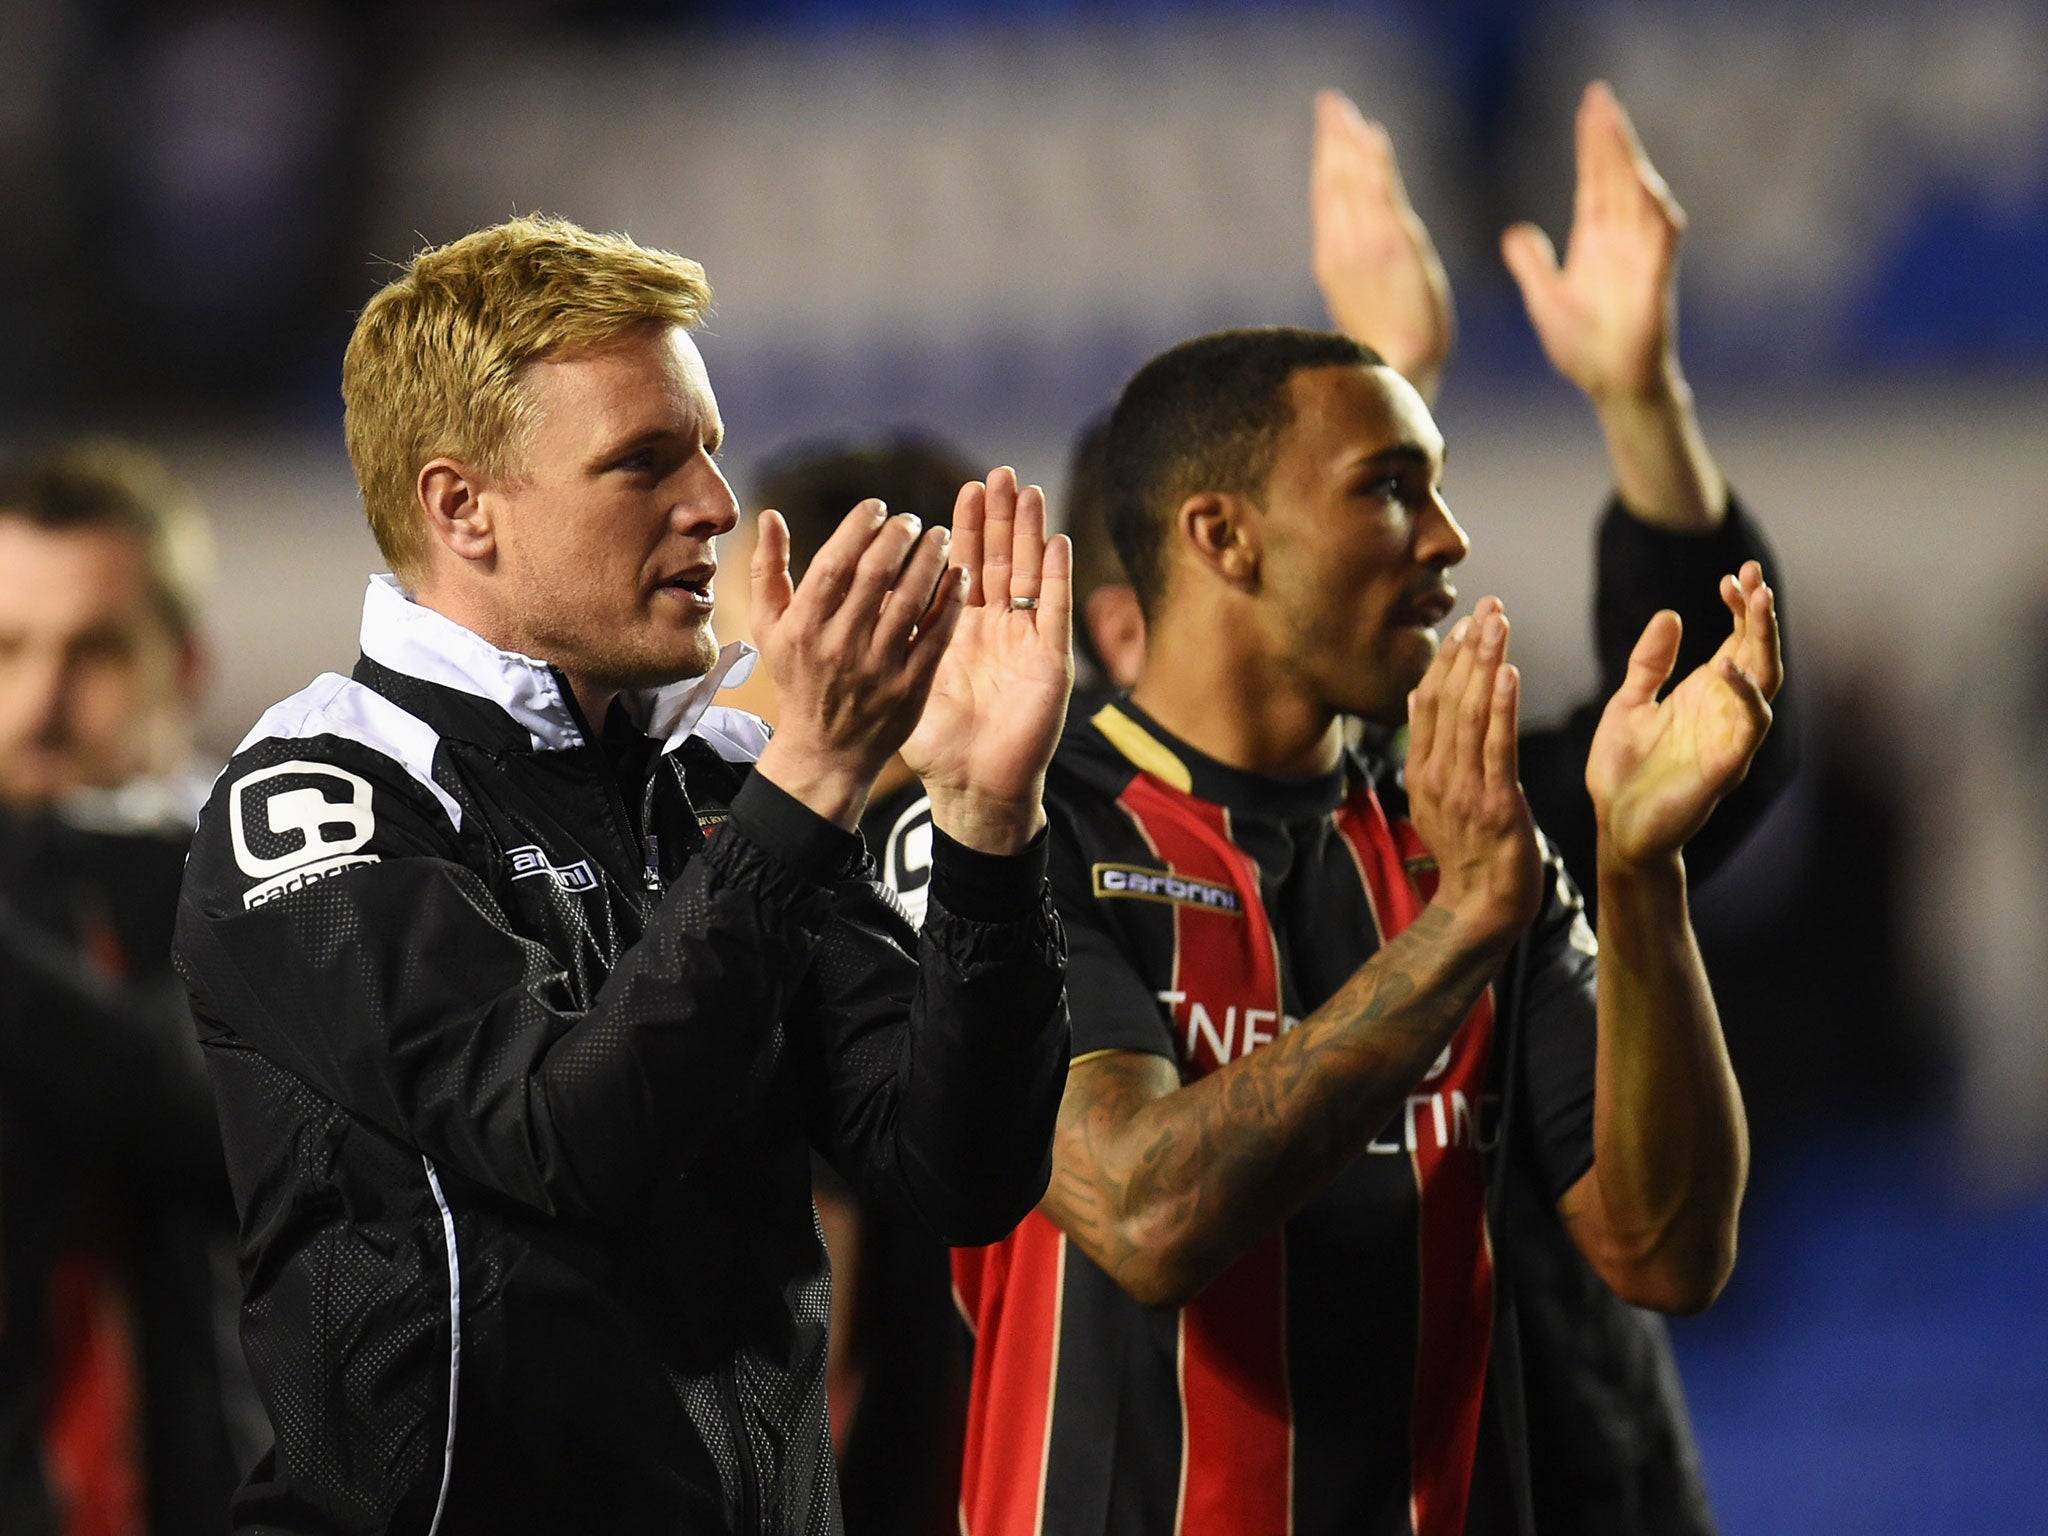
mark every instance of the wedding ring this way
{"type": "Point", "coordinates": [1024, 603]}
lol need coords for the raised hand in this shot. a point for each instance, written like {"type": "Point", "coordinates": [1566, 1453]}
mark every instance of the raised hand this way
{"type": "Point", "coordinates": [1608, 320]}
{"type": "Point", "coordinates": [1374, 261]}
{"type": "Point", "coordinates": [1656, 770]}
{"type": "Point", "coordinates": [852, 651]}
{"type": "Point", "coordinates": [1000, 694]}
{"type": "Point", "coordinates": [1464, 783]}
{"type": "Point", "coordinates": [1606, 317]}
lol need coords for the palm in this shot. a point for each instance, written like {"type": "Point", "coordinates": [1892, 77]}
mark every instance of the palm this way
{"type": "Point", "coordinates": [1658, 768]}
{"type": "Point", "coordinates": [999, 696]}
{"type": "Point", "coordinates": [1606, 324]}
{"type": "Point", "coordinates": [996, 706]}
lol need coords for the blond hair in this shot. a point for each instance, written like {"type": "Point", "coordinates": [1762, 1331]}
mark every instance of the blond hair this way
{"type": "Point", "coordinates": [435, 365]}
{"type": "Point", "coordinates": [106, 482]}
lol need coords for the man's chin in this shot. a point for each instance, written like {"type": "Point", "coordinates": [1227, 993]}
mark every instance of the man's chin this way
{"type": "Point", "coordinates": [685, 658]}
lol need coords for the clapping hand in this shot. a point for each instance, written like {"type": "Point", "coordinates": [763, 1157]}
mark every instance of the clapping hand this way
{"type": "Point", "coordinates": [999, 697]}
{"type": "Point", "coordinates": [1658, 768]}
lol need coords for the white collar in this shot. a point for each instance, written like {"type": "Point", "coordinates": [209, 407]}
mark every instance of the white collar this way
{"type": "Point", "coordinates": [411, 638]}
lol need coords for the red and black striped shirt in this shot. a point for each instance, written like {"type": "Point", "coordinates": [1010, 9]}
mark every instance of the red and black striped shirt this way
{"type": "Point", "coordinates": [1334, 1378]}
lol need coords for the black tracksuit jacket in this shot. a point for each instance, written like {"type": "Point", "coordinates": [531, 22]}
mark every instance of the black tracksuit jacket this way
{"type": "Point", "coordinates": [520, 1040]}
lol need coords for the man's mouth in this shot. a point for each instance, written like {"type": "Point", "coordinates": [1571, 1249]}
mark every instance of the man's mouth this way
{"type": "Point", "coordinates": [1427, 609]}
{"type": "Point", "coordinates": [694, 583]}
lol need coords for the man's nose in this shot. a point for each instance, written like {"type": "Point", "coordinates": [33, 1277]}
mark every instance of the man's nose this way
{"type": "Point", "coordinates": [1438, 538]}
{"type": "Point", "coordinates": [708, 507]}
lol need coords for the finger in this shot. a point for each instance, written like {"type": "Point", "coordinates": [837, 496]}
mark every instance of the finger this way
{"type": "Point", "coordinates": [1650, 663]}
{"type": "Point", "coordinates": [935, 633]}
{"type": "Point", "coordinates": [1386, 166]}
{"type": "Point", "coordinates": [1532, 261]}
{"type": "Point", "coordinates": [1475, 696]}
{"type": "Point", "coordinates": [903, 610]}
{"type": "Point", "coordinates": [831, 571]}
{"type": "Point", "coordinates": [1762, 657]}
{"type": "Point", "coordinates": [1604, 171]}
{"type": "Point", "coordinates": [859, 615]}
{"type": "Point", "coordinates": [969, 509]}
{"type": "Point", "coordinates": [1635, 177]}
{"type": "Point", "coordinates": [768, 572]}
{"type": "Point", "coordinates": [1503, 753]}
{"type": "Point", "coordinates": [1027, 544]}
{"type": "Point", "coordinates": [998, 527]}
{"type": "Point", "coordinates": [1749, 692]}
{"type": "Point", "coordinates": [1425, 698]}
{"type": "Point", "coordinates": [1735, 600]}
{"type": "Point", "coordinates": [1055, 617]}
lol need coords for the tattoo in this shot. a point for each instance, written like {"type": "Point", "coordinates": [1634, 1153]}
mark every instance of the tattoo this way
{"type": "Point", "coordinates": [1164, 1185]}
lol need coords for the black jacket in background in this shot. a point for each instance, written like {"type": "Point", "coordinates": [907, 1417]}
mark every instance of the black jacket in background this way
{"type": "Point", "coordinates": [108, 1143]}
{"type": "Point", "coordinates": [520, 1041]}
{"type": "Point", "coordinates": [1611, 1449]}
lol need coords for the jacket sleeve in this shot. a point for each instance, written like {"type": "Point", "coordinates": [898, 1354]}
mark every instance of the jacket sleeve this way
{"type": "Point", "coordinates": [942, 1078]}
{"type": "Point", "coordinates": [385, 975]}
{"type": "Point", "coordinates": [1641, 570]}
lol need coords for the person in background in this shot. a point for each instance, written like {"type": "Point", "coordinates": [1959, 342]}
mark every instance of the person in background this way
{"type": "Point", "coordinates": [121, 1391]}
{"type": "Point", "coordinates": [1109, 627]}
{"type": "Point", "coordinates": [1611, 1445]}
{"type": "Point", "coordinates": [896, 1376]}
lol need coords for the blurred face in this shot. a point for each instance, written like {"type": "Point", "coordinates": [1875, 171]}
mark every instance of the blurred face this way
{"type": "Point", "coordinates": [1356, 540]}
{"type": "Point", "coordinates": [602, 542]}
{"type": "Point", "coordinates": [95, 688]}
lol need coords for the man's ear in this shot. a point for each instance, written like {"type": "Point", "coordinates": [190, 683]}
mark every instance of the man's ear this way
{"type": "Point", "coordinates": [1220, 534]}
{"type": "Point", "coordinates": [458, 517]}
{"type": "Point", "coordinates": [1116, 627]}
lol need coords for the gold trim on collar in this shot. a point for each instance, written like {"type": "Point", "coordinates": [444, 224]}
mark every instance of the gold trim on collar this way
{"type": "Point", "coordinates": [1144, 750]}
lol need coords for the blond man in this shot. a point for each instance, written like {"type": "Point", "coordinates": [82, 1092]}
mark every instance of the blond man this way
{"type": "Point", "coordinates": [528, 973]}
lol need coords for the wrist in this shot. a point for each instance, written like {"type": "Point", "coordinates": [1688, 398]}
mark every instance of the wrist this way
{"type": "Point", "coordinates": [1663, 868]}
{"type": "Point", "coordinates": [822, 781]}
{"type": "Point", "coordinates": [1663, 472]}
{"type": "Point", "coordinates": [987, 824]}
{"type": "Point", "coordinates": [1480, 926]}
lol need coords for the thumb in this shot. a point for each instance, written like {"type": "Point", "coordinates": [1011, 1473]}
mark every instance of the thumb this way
{"type": "Point", "coordinates": [1532, 262]}
{"type": "Point", "coordinates": [1650, 663]}
{"type": "Point", "coordinates": [768, 572]}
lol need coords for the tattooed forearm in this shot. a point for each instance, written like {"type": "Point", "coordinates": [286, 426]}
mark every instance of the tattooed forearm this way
{"type": "Point", "coordinates": [1165, 1185]}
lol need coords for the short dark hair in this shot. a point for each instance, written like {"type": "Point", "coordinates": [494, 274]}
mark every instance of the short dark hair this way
{"type": "Point", "coordinates": [1086, 522]}
{"type": "Point", "coordinates": [103, 482]}
{"type": "Point", "coordinates": [815, 485]}
{"type": "Point", "coordinates": [1204, 416]}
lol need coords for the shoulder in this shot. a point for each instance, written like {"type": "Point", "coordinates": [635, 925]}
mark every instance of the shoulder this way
{"type": "Point", "coordinates": [332, 779]}
{"type": "Point", "coordinates": [338, 727]}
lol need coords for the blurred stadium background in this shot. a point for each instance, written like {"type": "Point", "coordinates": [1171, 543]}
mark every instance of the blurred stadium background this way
{"type": "Point", "coordinates": [978, 218]}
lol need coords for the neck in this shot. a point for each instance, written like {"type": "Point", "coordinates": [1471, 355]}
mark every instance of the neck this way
{"type": "Point", "coordinates": [453, 601]}
{"type": "Point", "coordinates": [1226, 695]}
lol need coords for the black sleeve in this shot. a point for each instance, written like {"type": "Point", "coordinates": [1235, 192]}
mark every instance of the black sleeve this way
{"type": "Point", "coordinates": [941, 1078]}
{"type": "Point", "coordinates": [393, 984]}
{"type": "Point", "coordinates": [103, 1068]}
{"type": "Point", "coordinates": [1559, 1020]}
{"type": "Point", "coordinates": [1642, 569]}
